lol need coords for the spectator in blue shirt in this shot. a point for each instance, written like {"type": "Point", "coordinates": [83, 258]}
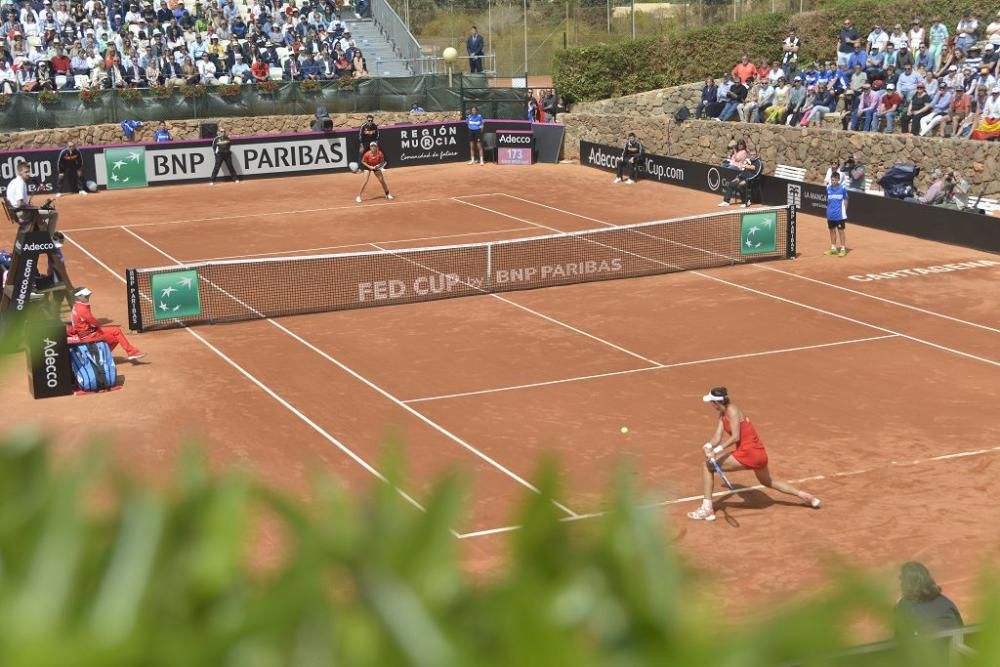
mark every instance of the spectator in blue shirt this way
{"type": "Point", "coordinates": [939, 109]}
{"type": "Point", "coordinates": [709, 96]}
{"type": "Point", "coordinates": [857, 58]}
{"type": "Point", "coordinates": [310, 68]}
{"type": "Point", "coordinates": [161, 135]}
{"type": "Point", "coordinates": [906, 83]}
{"type": "Point", "coordinates": [474, 121]}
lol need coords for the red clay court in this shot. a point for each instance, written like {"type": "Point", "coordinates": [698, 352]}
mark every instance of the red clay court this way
{"type": "Point", "coordinates": [869, 393]}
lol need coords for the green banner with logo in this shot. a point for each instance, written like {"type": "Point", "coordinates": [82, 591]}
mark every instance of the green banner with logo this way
{"type": "Point", "coordinates": [758, 233]}
{"type": "Point", "coordinates": [175, 294]}
{"type": "Point", "coordinates": [126, 167]}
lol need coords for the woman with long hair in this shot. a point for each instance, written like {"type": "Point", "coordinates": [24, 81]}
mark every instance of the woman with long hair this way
{"type": "Point", "coordinates": [921, 607]}
{"type": "Point", "coordinates": [359, 65]}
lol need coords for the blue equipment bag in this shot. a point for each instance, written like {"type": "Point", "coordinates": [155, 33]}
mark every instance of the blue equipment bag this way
{"type": "Point", "coordinates": [93, 366]}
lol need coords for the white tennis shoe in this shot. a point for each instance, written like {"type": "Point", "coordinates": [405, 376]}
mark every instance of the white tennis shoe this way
{"type": "Point", "coordinates": [388, 196]}
{"type": "Point", "coordinates": [358, 199]}
{"type": "Point", "coordinates": [618, 180]}
{"type": "Point", "coordinates": [630, 182]}
{"type": "Point", "coordinates": [702, 514]}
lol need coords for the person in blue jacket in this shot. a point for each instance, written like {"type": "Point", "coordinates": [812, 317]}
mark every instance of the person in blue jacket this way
{"type": "Point", "coordinates": [161, 134]}
{"type": "Point", "coordinates": [475, 122]}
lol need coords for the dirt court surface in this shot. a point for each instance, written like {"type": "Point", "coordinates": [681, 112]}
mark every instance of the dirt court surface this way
{"type": "Point", "coordinates": [868, 392]}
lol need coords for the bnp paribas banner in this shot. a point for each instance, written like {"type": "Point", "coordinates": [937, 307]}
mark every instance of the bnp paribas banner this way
{"type": "Point", "coordinates": [138, 166]}
{"type": "Point", "coordinates": [125, 167]}
{"type": "Point", "coordinates": [278, 155]}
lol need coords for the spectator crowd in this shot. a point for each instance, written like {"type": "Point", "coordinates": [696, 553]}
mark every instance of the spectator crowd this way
{"type": "Point", "coordinates": [90, 44]}
{"type": "Point", "coordinates": [933, 81]}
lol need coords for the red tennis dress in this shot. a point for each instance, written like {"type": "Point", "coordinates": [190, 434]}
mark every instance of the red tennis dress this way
{"type": "Point", "coordinates": [750, 450]}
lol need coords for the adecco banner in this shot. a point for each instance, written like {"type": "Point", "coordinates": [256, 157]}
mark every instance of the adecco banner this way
{"type": "Point", "coordinates": [658, 168]}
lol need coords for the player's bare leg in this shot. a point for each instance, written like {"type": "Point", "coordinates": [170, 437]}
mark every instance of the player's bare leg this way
{"type": "Point", "coordinates": [764, 477]}
{"type": "Point", "coordinates": [707, 510]}
{"type": "Point", "coordinates": [364, 184]}
{"type": "Point", "coordinates": [385, 187]}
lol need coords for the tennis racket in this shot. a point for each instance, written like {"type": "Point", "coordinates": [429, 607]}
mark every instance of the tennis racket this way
{"type": "Point", "coordinates": [725, 480]}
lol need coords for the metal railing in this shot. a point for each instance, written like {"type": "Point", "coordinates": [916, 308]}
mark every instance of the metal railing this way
{"type": "Point", "coordinates": [429, 65]}
{"type": "Point", "coordinates": [395, 30]}
{"type": "Point", "coordinates": [953, 643]}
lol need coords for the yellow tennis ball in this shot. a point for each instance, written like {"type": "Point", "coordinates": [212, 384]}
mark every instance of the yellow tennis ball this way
{"type": "Point", "coordinates": [624, 429]}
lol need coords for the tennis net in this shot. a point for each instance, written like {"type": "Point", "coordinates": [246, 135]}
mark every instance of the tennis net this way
{"type": "Point", "coordinates": [245, 289]}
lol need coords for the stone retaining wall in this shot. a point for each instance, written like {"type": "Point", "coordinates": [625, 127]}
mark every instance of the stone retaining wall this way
{"type": "Point", "coordinates": [812, 148]}
{"type": "Point", "coordinates": [188, 129]}
{"type": "Point", "coordinates": [663, 102]}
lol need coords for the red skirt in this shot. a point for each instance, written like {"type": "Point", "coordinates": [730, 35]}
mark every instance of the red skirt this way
{"type": "Point", "coordinates": [753, 458]}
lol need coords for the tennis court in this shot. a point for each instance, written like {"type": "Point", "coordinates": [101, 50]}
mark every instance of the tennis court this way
{"type": "Point", "coordinates": [869, 392]}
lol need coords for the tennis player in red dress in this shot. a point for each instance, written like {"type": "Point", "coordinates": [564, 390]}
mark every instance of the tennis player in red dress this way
{"type": "Point", "coordinates": [373, 162]}
{"type": "Point", "coordinates": [748, 453]}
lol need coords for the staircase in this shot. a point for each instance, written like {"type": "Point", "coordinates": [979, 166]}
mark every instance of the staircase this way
{"type": "Point", "coordinates": [379, 53]}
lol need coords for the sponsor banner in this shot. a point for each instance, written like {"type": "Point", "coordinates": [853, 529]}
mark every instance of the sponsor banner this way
{"type": "Point", "coordinates": [758, 232]}
{"type": "Point", "coordinates": [41, 165]}
{"type": "Point", "coordinates": [432, 143]}
{"type": "Point", "coordinates": [51, 373]}
{"type": "Point", "coordinates": [134, 306]}
{"type": "Point", "coordinates": [685, 173]}
{"type": "Point", "coordinates": [21, 277]}
{"type": "Point", "coordinates": [195, 161]}
{"type": "Point", "coordinates": [125, 167]}
{"type": "Point", "coordinates": [175, 295]}
{"type": "Point", "coordinates": [515, 147]}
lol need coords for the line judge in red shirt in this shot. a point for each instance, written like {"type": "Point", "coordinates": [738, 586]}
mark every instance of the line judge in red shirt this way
{"type": "Point", "coordinates": [373, 161]}
{"type": "Point", "coordinates": [748, 453]}
{"type": "Point", "coordinates": [86, 329]}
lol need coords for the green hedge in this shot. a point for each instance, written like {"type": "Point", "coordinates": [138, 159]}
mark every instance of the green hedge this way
{"type": "Point", "coordinates": [98, 569]}
{"type": "Point", "coordinates": [612, 70]}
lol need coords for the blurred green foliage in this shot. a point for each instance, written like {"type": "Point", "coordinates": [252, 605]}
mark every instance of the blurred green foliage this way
{"type": "Point", "coordinates": [687, 56]}
{"type": "Point", "coordinates": [99, 570]}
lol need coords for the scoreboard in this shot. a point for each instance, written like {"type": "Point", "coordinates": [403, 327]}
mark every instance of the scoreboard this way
{"type": "Point", "coordinates": [515, 147]}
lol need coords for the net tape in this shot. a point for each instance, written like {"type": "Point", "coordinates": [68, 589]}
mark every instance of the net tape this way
{"type": "Point", "coordinates": [245, 289]}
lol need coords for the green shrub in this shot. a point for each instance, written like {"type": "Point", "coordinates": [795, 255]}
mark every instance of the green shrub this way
{"type": "Point", "coordinates": [100, 570]}
{"type": "Point", "coordinates": [687, 56]}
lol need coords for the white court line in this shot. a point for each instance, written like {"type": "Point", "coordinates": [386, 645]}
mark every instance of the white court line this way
{"type": "Point", "coordinates": [764, 267]}
{"type": "Point", "coordinates": [783, 299]}
{"type": "Point", "coordinates": [369, 383]}
{"type": "Point", "coordinates": [658, 367]}
{"type": "Point", "coordinates": [744, 489]}
{"type": "Point", "coordinates": [277, 397]}
{"type": "Point", "coordinates": [352, 245]}
{"type": "Point", "coordinates": [396, 202]}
